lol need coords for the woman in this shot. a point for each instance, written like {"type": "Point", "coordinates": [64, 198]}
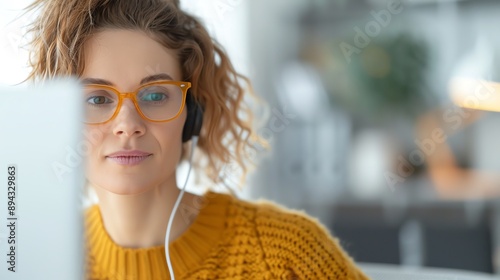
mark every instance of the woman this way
{"type": "Point", "coordinates": [153, 51]}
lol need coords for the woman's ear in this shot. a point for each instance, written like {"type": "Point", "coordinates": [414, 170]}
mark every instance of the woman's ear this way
{"type": "Point", "coordinates": [194, 119]}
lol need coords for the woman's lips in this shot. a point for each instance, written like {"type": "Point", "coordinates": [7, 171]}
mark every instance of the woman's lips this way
{"type": "Point", "coordinates": [128, 157]}
{"type": "Point", "coordinates": [128, 160]}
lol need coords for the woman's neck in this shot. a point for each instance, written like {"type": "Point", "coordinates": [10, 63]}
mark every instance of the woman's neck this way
{"type": "Point", "coordinates": [140, 221]}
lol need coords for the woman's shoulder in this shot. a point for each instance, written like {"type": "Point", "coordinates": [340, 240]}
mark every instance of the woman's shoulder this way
{"type": "Point", "coordinates": [278, 225]}
{"type": "Point", "coordinates": [268, 213]}
{"type": "Point", "coordinates": [301, 240]}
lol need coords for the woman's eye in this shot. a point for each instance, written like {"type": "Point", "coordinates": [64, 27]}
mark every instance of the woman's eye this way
{"type": "Point", "coordinates": [154, 96]}
{"type": "Point", "coordinates": [98, 100]}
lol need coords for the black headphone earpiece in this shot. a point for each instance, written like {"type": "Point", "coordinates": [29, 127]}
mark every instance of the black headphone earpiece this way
{"type": "Point", "coordinates": [194, 119]}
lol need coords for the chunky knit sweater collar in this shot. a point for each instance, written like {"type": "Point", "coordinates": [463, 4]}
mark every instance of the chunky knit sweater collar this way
{"type": "Point", "coordinates": [186, 252]}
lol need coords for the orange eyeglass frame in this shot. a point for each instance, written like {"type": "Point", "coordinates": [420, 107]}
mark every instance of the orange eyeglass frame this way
{"type": "Point", "coordinates": [184, 86]}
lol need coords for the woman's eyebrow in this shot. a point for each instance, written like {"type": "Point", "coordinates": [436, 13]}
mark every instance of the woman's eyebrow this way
{"type": "Point", "coordinates": [151, 78]}
{"type": "Point", "coordinates": [156, 77]}
{"type": "Point", "coordinates": [95, 81]}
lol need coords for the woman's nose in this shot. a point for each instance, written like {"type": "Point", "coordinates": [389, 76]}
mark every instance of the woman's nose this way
{"type": "Point", "coordinates": [128, 122]}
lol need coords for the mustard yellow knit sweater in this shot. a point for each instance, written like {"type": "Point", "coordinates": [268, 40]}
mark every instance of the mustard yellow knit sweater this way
{"type": "Point", "coordinates": [229, 239]}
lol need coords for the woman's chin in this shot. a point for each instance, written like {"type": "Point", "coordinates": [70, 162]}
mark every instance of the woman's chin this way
{"type": "Point", "coordinates": [125, 188]}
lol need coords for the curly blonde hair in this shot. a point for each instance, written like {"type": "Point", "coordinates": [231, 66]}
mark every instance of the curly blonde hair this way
{"type": "Point", "coordinates": [63, 26]}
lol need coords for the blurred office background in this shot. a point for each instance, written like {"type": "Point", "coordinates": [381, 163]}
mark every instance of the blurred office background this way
{"type": "Point", "coordinates": [382, 118]}
{"type": "Point", "coordinates": [388, 128]}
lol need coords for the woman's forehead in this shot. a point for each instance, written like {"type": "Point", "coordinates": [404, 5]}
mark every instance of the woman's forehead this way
{"type": "Point", "coordinates": [125, 55]}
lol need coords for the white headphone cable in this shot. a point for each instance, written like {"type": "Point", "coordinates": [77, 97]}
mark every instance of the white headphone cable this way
{"type": "Point", "coordinates": [176, 205]}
